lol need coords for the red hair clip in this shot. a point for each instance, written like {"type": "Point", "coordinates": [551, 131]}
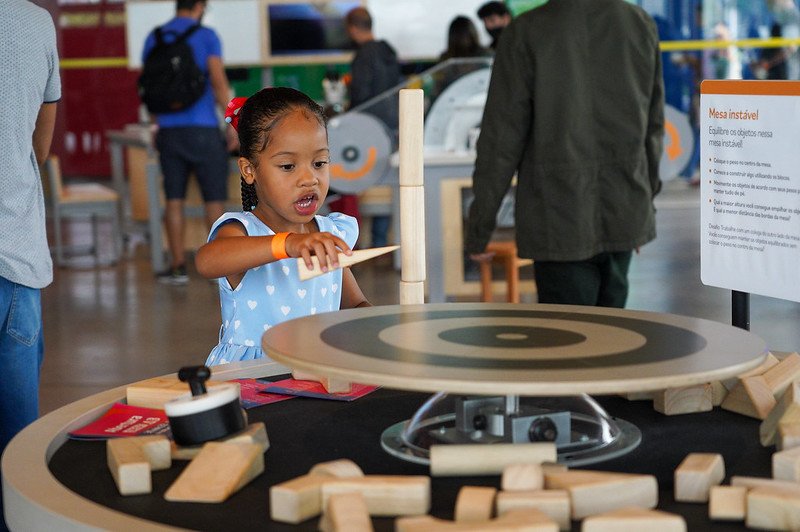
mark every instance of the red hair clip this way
{"type": "Point", "coordinates": [232, 111]}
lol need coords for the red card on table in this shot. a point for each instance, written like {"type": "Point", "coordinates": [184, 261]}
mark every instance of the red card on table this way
{"type": "Point", "coordinates": [317, 391]}
{"type": "Point", "coordinates": [252, 392]}
{"type": "Point", "coordinates": [124, 420]}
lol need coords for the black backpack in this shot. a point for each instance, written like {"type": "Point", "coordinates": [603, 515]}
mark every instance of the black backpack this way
{"type": "Point", "coordinates": [171, 80]}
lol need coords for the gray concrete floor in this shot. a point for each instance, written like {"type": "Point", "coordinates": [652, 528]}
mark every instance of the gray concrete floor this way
{"type": "Point", "coordinates": [109, 326]}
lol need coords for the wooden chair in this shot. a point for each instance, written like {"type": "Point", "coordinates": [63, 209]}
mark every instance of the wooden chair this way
{"type": "Point", "coordinates": [505, 252]}
{"type": "Point", "coordinates": [80, 200]}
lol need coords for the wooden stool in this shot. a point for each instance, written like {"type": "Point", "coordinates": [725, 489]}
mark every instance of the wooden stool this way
{"type": "Point", "coordinates": [505, 252]}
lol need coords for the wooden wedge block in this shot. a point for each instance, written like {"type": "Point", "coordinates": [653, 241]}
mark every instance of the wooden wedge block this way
{"type": "Point", "coordinates": [781, 375]}
{"type": "Point", "coordinates": [131, 460]}
{"type": "Point", "coordinates": [346, 512]}
{"type": "Point", "coordinates": [634, 519]}
{"type": "Point", "coordinates": [477, 460]}
{"type": "Point", "coordinates": [684, 400]}
{"type": "Point", "coordinates": [359, 255]}
{"type": "Point", "coordinates": [525, 519]}
{"type": "Point", "coordinates": [217, 472]}
{"type": "Point", "coordinates": [596, 492]}
{"type": "Point", "coordinates": [759, 482]}
{"type": "Point", "coordinates": [475, 503]}
{"type": "Point", "coordinates": [786, 465]}
{"type": "Point", "coordinates": [297, 499]}
{"type": "Point", "coordinates": [770, 361]}
{"type": "Point", "coordinates": [522, 477]}
{"type": "Point", "coordinates": [750, 397]}
{"type": "Point", "coordinates": [153, 393]}
{"type": "Point", "coordinates": [696, 474]}
{"type": "Point", "coordinates": [385, 495]}
{"type": "Point", "coordinates": [330, 385]}
{"type": "Point", "coordinates": [553, 503]}
{"type": "Point", "coordinates": [254, 433]}
{"type": "Point", "coordinates": [786, 411]}
{"type": "Point", "coordinates": [788, 436]}
{"type": "Point", "coordinates": [343, 468]}
{"type": "Point", "coordinates": [727, 503]}
{"type": "Point", "coordinates": [718, 393]}
{"type": "Point", "coordinates": [773, 509]}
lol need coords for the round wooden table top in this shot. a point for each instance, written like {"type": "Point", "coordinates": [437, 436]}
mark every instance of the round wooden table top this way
{"type": "Point", "coordinates": [514, 349]}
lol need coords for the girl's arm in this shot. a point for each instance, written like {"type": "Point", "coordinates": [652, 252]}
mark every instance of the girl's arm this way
{"type": "Point", "coordinates": [352, 297]}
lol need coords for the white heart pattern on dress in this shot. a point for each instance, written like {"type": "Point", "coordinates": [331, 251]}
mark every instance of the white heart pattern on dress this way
{"type": "Point", "coordinates": [334, 287]}
{"type": "Point", "coordinates": [301, 293]}
{"type": "Point", "coordinates": [236, 324]}
{"type": "Point", "coordinates": [249, 343]}
{"type": "Point", "coordinates": [270, 289]}
{"type": "Point", "coordinates": [252, 304]}
{"type": "Point", "coordinates": [285, 270]}
{"type": "Point", "coordinates": [313, 310]}
{"type": "Point", "coordinates": [324, 291]}
{"type": "Point", "coordinates": [285, 310]}
{"type": "Point", "coordinates": [267, 326]}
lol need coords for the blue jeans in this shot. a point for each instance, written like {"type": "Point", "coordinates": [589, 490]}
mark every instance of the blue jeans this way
{"type": "Point", "coordinates": [21, 352]}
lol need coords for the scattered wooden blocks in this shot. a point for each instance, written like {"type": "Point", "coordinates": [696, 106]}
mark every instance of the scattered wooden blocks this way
{"type": "Point", "coordinates": [781, 375]}
{"type": "Point", "coordinates": [769, 361]}
{"type": "Point", "coordinates": [527, 520]}
{"type": "Point", "coordinates": [331, 385]}
{"type": "Point", "coordinates": [385, 495]}
{"type": "Point", "coordinates": [786, 465]}
{"type": "Point", "coordinates": [727, 503]}
{"type": "Point", "coordinates": [346, 512]}
{"type": "Point", "coordinates": [758, 482]}
{"type": "Point", "coordinates": [131, 460]}
{"type": "Point", "coordinates": [788, 436]}
{"type": "Point", "coordinates": [773, 509]}
{"type": "Point", "coordinates": [553, 503]}
{"type": "Point", "coordinates": [254, 433]}
{"type": "Point", "coordinates": [343, 468]}
{"type": "Point", "coordinates": [596, 492]}
{"type": "Point", "coordinates": [153, 393]}
{"type": "Point", "coordinates": [751, 397]}
{"type": "Point", "coordinates": [471, 459]}
{"type": "Point", "coordinates": [684, 400]}
{"type": "Point", "coordinates": [696, 474]}
{"type": "Point", "coordinates": [217, 472]}
{"type": "Point", "coordinates": [522, 477]}
{"type": "Point", "coordinates": [786, 411]}
{"type": "Point", "coordinates": [475, 503]}
{"type": "Point", "coordinates": [634, 519]}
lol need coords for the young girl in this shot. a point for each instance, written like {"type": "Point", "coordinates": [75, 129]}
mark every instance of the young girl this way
{"type": "Point", "coordinates": [284, 161]}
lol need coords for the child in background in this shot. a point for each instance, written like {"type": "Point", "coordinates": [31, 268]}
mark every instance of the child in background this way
{"type": "Point", "coordinates": [284, 161]}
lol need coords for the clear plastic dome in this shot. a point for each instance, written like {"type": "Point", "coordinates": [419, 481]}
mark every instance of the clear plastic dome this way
{"type": "Point", "coordinates": [581, 429]}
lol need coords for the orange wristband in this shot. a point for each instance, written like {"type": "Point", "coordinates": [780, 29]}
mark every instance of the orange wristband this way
{"type": "Point", "coordinates": [278, 245]}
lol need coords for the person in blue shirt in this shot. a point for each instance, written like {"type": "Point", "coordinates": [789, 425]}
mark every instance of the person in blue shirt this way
{"type": "Point", "coordinates": [190, 140]}
{"type": "Point", "coordinates": [284, 161]}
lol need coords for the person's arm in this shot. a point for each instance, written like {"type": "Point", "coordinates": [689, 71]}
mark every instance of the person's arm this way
{"type": "Point", "coordinates": [43, 132]}
{"type": "Point", "coordinates": [219, 81]}
{"type": "Point", "coordinates": [654, 142]}
{"type": "Point", "coordinates": [352, 296]}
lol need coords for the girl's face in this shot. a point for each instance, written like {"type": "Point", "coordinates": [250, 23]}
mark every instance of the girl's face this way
{"type": "Point", "coordinates": [291, 174]}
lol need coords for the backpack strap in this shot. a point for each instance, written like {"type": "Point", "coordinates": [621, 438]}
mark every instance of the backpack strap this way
{"type": "Point", "coordinates": [159, 34]}
{"type": "Point", "coordinates": [187, 33]}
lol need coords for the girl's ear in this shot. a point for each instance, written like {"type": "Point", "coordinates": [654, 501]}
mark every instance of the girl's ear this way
{"type": "Point", "coordinates": [248, 170]}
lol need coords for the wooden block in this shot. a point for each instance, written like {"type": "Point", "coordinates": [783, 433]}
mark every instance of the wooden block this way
{"type": "Point", "coordinates": [297, 499]}
{"type": "Point", "coordinates": [685, 400]}
{"type": "Point", "coordinates": [219, 471]}
{"type": "Point", "coordinates": [255, 433]}
{"type": "Point", "coordinates": [759, 482]}
{"type": "Point", "coordinates": [769, 361]}
{"type": "Point", "coordinates": [345, 261]}
{"type": "Point", "coordinates": [781, 375]}
{"type": "Point", "coordinates": [718, 393]}
{"type": "Point", "coordinates": [346, 512]}
{"type": "Point", "coordinates": [522, 477]}
{"type": "Point", "coordinates": [634, 519]}
{"type": "Point", "coordinates": [786, 465]}
{"type": "Point", "coordinates": [750, 397]}
{"type": "Point", "coordinates": [131, 460]}
{"type": "Point", "coordinates": [553, 503]}
{"type": "Point", "coordinates": [412, 293]}
{"type": "Point", "coordinates": [524, 519]}
{"type": "Point", "coordinates": [385, 495]}
{"type": "Point", "coordinates": [596, 492]}
{"type": "Point", "coordinates": [727, 503]}
{"type": "Point", "coordinates": [412, 233]}
{"type": "Point", "coordinates": [475, 503]}
{"type": "Point", "coordinates": [773, 509]}
{"type": "Point", "coordinates": [788, 436]}
{"type": "Point", "coordinates": [343, 468]}
{"type": "Point", "coordinates": [786, 411]}
{"type": "Point", "coordinates": [410, 134]}
{"type": "Point", "coordinates": [696, 474]}
{"type": "Point", "coordinates": [471, 459]}
{"type": "Point", "coordinates": [331, 385]}
{"type": "Point", "coordinates": [153, 393]}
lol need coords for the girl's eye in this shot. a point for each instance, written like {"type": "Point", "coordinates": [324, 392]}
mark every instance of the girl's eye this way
{"type": "Point", "coordinates": [286, 167]}
{"type": "Point", "coordinates": [320, 164]}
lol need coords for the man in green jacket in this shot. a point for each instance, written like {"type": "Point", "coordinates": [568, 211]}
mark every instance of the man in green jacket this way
{"type": "Point", "coordinates": [576, 109]}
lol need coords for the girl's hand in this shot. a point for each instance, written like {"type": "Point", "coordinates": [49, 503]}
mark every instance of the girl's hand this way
{"type": "Point", "coordinates": [324, 245]}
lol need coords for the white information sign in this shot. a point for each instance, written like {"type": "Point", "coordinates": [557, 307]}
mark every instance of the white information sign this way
{"type": "Point", "coordinates": [750, 188]}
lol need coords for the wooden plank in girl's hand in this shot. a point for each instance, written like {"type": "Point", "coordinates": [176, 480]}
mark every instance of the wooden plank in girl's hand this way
{"type": "Point", "coordinates": [344, 261]}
